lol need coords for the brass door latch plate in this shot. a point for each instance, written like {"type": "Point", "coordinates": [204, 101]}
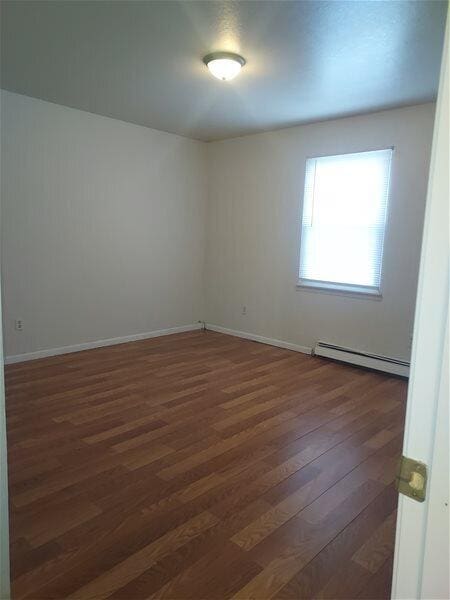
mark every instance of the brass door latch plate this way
{"type": "Point", "coordinates": [411, 478]}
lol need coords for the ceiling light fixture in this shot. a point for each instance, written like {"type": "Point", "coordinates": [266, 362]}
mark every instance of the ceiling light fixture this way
{"type": "Point", "coordinates": [224, 65]}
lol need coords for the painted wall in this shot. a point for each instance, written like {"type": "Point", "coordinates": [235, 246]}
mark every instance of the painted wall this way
{"type": "Point", "coordinates": [111, 229]}
{"type": "Point", "coordinates": [103, 226]}
{"type": "Point", "coordinates": [255, 193]}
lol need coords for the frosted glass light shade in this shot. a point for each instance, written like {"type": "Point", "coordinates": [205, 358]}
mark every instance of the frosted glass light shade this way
{"type": "Point", "coordinates": [224, 65]}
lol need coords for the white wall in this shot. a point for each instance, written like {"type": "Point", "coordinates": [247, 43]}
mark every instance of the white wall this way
{"type": "Point", "coordinates": [255, 191]}
{"type": "Point", "coordinates": [103, 226]}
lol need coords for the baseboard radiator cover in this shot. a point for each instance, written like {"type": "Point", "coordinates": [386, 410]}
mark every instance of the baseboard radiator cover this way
{"type": "Point", "coordinates": [362, 359]}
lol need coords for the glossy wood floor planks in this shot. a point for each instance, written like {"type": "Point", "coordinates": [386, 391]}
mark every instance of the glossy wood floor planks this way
{"type": "Point", "coordinates": [200, 465]}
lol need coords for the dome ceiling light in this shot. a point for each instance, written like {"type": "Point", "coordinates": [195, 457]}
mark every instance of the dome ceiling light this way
{"type": "Point", "coordinates": [224, 65]}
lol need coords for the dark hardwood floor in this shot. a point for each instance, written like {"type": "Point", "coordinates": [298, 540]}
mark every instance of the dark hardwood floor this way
{"type": "Point", "coordinates": [201, 465]}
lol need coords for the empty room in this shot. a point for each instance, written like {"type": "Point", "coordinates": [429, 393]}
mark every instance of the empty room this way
{"type": "Point", "coordinates": [225, 291]}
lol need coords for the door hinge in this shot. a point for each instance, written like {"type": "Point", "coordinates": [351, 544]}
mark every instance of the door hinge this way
{"type": "Point", "coordinates": [411, 478]}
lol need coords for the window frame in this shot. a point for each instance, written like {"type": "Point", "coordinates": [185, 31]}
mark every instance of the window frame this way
{"type": "Point", "coordinates": [334, 287]}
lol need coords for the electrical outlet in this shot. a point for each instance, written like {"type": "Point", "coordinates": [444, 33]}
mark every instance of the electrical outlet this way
{"type": "Point", "coordinates": [18, 324]}
{"type": "Point", "coordinates": [244, 310]}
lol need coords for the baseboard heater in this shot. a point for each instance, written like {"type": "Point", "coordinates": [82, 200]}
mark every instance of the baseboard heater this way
{"type": "Point", "coordinates": [362, 359]}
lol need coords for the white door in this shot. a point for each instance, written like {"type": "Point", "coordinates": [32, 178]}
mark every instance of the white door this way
{"type": "Point", "coordinates": [4, 523]}
{"type": "Point", "coordinates": [421, 566]}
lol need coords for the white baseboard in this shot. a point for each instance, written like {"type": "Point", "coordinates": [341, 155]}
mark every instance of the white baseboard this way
{"type": "Point", "coordinates": [99, 343]}
{"type": "Point", "coordinates": [364, 361]}
{"type": "Point", "coordinates": [259, 338]}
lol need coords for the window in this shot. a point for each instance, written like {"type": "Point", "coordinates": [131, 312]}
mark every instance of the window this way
{"type": "Point", "coordinates": [343, 223]}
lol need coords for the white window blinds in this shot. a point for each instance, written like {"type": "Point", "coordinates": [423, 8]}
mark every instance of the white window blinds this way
{"type": "Point", "coordinates": [344, 218]}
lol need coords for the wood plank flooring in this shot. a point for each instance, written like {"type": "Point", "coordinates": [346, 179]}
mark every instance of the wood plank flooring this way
{"type": "Point", "coordinates": [200, 465]}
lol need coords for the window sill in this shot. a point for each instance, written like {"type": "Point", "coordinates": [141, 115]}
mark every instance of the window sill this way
{"type": "Point", "coordinates": [340, 289]}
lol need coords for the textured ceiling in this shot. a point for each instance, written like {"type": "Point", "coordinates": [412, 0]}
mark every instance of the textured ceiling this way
{"type": "Point", "coordinates": [141, 61]}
